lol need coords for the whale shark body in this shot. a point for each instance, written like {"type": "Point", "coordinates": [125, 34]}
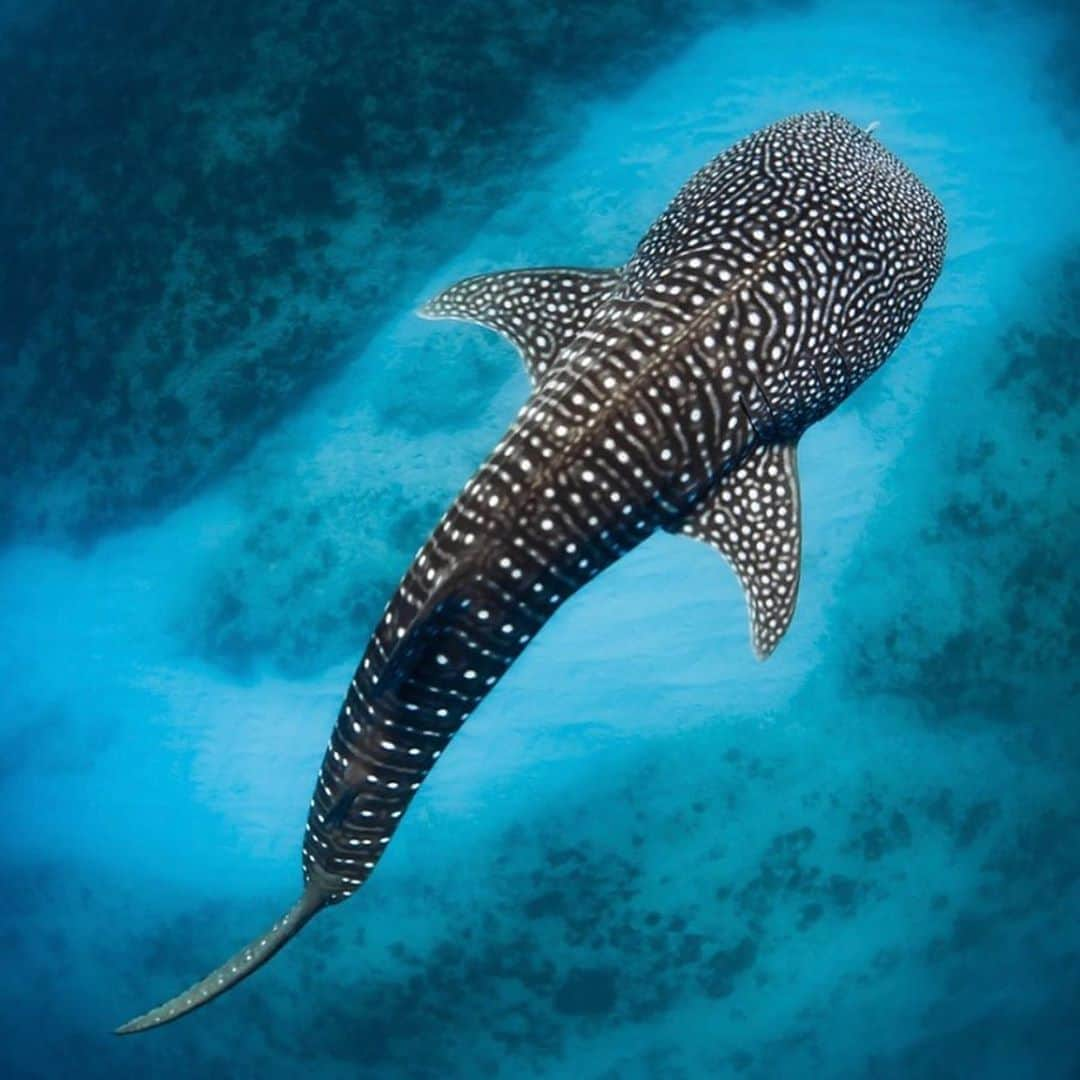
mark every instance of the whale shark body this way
{"type": "Point", "coordinates": [668, 394]}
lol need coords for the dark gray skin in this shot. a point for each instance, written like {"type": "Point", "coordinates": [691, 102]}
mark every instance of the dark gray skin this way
{"type": "Point", "coordinates": [668, 394]}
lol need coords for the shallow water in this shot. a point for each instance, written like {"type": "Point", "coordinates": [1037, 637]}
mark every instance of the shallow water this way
{"type": "Point", "coordinates": [646, 855]}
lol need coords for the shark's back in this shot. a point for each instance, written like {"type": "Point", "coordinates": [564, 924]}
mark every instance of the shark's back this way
{"type": "Point", "coordinates": [790, 265]}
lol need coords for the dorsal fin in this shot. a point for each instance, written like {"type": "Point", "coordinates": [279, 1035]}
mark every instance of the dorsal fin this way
{"type": "Point", "coordinates": [753, 520]}
{"type": "Point", "coordinates": [538, 311]}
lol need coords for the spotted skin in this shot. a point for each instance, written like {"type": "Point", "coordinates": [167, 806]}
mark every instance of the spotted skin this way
{"type": "Point", "coordinates": [753, 521]}
{"type": "Point", "coordinates": [669, 394]}
{"type": "Point", "coordinates": [538, 311]}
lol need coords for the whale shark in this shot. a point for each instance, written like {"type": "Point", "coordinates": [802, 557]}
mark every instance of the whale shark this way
{"type": "Point", "coordinates": [667, 394]}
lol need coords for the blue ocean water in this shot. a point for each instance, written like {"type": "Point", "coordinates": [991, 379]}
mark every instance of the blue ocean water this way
{"type": "Point", "coordinates": [647, 855]}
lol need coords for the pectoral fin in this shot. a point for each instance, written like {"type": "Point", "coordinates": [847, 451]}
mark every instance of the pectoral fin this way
{"type": "Point", "coordinates": [538, 311]}
{"type": "Point", "coordinates": [753, 520]}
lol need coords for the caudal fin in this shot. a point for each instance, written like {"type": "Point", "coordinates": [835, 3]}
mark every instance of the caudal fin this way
{"type": "Point", "coordinates": [234, 969]}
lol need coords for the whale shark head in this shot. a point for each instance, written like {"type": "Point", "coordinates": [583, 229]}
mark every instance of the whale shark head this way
{"type": "Point", "coordinates": [900, 230]}
{"type": "Point", "coordinates": [834, 244]}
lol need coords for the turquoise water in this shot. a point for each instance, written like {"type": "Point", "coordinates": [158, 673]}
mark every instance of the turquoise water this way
{"type": "Point", "coordinates": [647, 855]}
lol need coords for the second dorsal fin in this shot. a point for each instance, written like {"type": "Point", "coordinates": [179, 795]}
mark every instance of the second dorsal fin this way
{"type": "Point", "coordinates": [538, 311]}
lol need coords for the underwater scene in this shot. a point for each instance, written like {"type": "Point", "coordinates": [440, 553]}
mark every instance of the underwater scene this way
{"type": "Point", "coordinates": [226, 434]}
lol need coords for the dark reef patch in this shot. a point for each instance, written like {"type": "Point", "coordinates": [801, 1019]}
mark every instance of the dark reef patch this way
{"type": "Point", "coordinates": [878, 832]}
{"type": "Point", "coordinates": [989, 1045]}
{"type": "Point", "coordinates": [587, 992]}
{"type": "Point", "coordinates": [725, 966]}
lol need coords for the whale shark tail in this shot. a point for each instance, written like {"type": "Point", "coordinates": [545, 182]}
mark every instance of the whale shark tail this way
{"type": "Point", "coordinates": [236, 968]}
